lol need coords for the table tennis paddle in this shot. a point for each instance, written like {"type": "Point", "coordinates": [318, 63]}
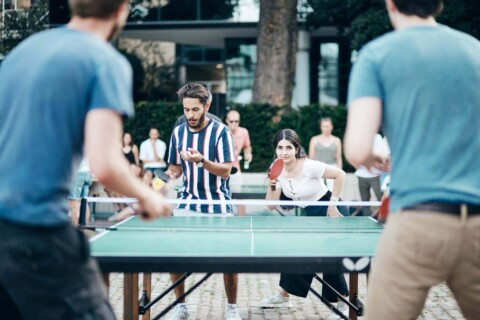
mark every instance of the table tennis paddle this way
{"type": "Point", "coordinates": [161, 175]}
{"type": "Point", "coordinates": [384, 207]}
{"type": "Point", "coordinates": [275, 170]}
{"type": "Point", "coordinates": [157, 183]}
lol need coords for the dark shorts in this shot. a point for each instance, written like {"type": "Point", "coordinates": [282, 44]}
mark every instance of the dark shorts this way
{"type": "Point", "coordinates": [48, 274]}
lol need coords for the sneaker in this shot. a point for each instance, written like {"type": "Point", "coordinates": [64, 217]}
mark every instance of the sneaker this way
{"type": "Point", "coordinates": [232, 313]}
{"type": "Point", "coordinates": [180, 313]}
{"type": "Point", "coordinates": [275, 301]}
{"type": "Point", "coordinates": [343, 308]}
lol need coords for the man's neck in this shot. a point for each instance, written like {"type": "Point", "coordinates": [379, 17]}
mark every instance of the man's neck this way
{"type": "Point", "coordinates": [98, 27]}
{"type": "Point", "coordinates": [404, 22]}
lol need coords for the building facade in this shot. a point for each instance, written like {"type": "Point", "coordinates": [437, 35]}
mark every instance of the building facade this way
{"type": "Point", "coordinates": [215, 44]}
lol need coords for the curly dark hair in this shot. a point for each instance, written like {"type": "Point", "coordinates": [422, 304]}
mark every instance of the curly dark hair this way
{"type": "Point", "coordinates": [194, 90]}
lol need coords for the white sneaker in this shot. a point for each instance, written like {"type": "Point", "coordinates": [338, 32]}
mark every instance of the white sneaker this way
{"type": "Point", "coordinates": [275, 301]}
{"type": "Point", "coordinates": [232, 313]}
{"type": "Point", "coordinates": [180, 313]}
{"type": "Point", "coordinates": [343, 308]}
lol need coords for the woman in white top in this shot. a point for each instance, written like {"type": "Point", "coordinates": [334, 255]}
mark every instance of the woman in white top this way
{"type": "Point", "coordinates": [302, 180]}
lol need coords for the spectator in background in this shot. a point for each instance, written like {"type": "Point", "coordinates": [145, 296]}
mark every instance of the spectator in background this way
{"type": "Point", "coordinates": [241, 141]}
{"type": "Point", "coordinates": [130, 150]}
{"type": "Point", "coordinates": [152, 151]}
{"type": "Point", "coordinates": [80, 189]}
{"type": "Point", "coordinates": [369, 179]}
{"type": "Point", "coordinates": [326, 148]}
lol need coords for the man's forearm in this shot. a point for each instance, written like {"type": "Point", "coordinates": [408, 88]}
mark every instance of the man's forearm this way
{"type": "Point", "coordinates": [218, 169]}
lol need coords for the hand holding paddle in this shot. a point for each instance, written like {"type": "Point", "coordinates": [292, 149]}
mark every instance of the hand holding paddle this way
{"type": "Point", "coordinates": [275, 171]}
{"type": "Point", "coordinates": [384, 207]}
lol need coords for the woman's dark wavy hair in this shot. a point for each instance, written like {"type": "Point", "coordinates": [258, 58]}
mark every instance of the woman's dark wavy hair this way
{"type": "Point", "coordinates": [293, 138]}
{"type": "Point", "coordinates": [420, 8]}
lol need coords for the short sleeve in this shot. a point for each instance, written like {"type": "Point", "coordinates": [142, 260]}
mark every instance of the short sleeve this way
{"type": "Point", "coordinates": [143, 151]}
{"type": "Point", "coordinates": [173, 156]}
{"type": "Point", "coordinates": [247, 139]}
{"type": "Point", "coordinates": [162, 148]}
{"type": "Point", "coordinates": [225, 146]}
{"type": "Point", "coordinates": [314, 169]}
{"type": "Point", "coordinates": [112, 87]}
{"type": "Point", "coordinates": [364, 78]}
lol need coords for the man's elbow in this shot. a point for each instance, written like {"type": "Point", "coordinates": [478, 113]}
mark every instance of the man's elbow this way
{"type": "Point", "coordinates": [104, 169]}
{"type": "Point", "coordinates": [103, 173]}
{"type": "Point", "coordinates": [358, 157]}
{"type": "Point", "coordinates": [225, 174]}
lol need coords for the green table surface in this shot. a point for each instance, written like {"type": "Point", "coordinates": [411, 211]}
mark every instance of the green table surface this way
{"type": "Point", "coordinates": [199, 239]}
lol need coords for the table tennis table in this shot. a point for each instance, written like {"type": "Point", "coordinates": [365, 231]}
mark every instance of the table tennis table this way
{"type": "Point", "coordinates": [236, 245]}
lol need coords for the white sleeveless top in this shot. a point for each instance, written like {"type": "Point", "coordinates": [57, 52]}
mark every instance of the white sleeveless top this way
{"type": "Point", "coordinates": [307, 187]}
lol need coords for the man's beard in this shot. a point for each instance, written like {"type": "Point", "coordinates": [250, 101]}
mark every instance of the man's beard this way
{"type": "Point", "coordinates": [200, 122]}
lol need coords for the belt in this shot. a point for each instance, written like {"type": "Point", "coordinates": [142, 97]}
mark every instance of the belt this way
{"type": "Point", "coordinates": [447, 207]}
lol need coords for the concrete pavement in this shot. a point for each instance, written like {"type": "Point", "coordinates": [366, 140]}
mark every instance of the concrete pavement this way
{"type": "Point", "coordinates": [209, 300]}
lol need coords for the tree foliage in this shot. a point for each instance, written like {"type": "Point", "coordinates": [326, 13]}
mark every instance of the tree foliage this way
{"type": "Point", "coordinates": [463, 15]}
{"type": "Point", "coordinates": [182, 10]}
{"type": "Point", "coordinates": [154, 77]}
{"type": "Point", "coordinates": [16, 25]}
{"type": "Point", "coordinates": [363, 20]}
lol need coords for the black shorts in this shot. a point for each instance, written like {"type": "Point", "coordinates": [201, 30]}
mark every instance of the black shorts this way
{"type": "Point", "coordinates": [48, 274]}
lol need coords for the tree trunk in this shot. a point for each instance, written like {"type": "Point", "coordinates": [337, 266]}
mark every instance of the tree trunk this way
{"type": "Point", "coordinates": [276, 52]}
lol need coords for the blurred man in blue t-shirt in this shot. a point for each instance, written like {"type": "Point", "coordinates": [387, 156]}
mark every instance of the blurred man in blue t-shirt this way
{"type": "Point", "coordinates": [421, 84]}
{"type": "Point", "coordinates": [61, 91]}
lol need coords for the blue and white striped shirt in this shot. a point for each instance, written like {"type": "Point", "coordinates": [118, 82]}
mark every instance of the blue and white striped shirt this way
{"type": "Point", "coordinates": [215, 143]}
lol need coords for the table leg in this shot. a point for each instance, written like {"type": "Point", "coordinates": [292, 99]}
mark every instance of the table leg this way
{"type": "Point", "coordinates": [353, 296]}
{"type": "Point", "coordinates": [147, 289]}
{"type": "Point", "coordinates": [106, 281]}
{"type": "Point", "coordinates": [130, 296]}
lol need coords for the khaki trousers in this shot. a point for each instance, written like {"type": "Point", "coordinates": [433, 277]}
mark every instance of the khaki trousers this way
{"type": "Point", "coordinates": [419, 250]}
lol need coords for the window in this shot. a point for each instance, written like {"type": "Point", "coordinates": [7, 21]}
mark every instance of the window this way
{"type": "Point", "coordinates": [328, 74]}
{"type": "Point", "coordinates": [241, 60]}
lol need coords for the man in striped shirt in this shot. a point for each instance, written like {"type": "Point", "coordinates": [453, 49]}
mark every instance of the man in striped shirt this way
{"type": "Point", "coordinates": [202, 150]}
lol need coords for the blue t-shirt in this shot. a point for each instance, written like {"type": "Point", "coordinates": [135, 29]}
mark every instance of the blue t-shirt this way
{"type": "Point", "coordinates": [48, 84]}
{"type": "Point", "coordinates": [215, 143]}
{"type": "Point", "coordinates": [428, 79]}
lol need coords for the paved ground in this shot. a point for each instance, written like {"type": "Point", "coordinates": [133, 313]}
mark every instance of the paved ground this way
{"type": "Point", "coordinates": [209, 301]}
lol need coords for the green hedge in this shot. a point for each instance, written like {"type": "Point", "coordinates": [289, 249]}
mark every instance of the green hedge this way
{"type": "Point", "coordinates": [257, 118]}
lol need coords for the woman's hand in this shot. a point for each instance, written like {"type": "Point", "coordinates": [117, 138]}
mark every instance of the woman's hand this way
{"type": "Point", "coordinates": [273, 184]}
{"type": "Point", "coordinates": [332, 211]}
